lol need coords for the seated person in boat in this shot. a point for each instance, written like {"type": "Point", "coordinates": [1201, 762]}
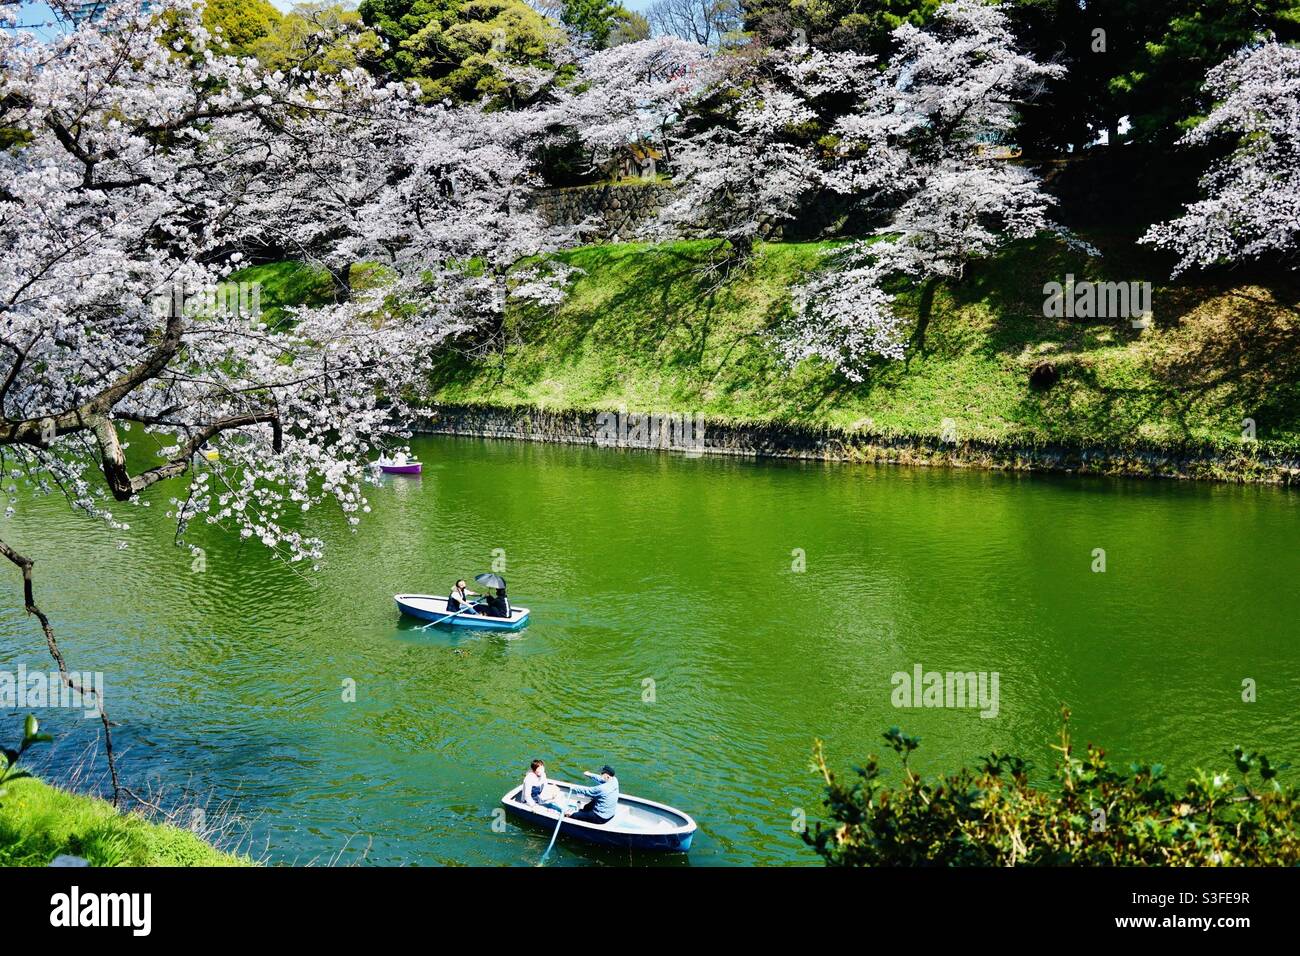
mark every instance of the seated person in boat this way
{"type": "Point", "coordinates": [604, 794]}
{"type": "Point", "coordinates": [538, 791]}
{"type": "Point", "coordinates": [498, 605]}
{"type": "Point", "coordinates": [460, 597]}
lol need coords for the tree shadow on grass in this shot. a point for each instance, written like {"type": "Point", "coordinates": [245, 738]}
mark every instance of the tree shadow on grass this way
{"type": "Point", "coordinates": [1242, 354]}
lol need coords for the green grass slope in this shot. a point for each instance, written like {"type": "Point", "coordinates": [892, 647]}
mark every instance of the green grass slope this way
{"type": "Point", "coordinates": [653, 328]}
{"type": "Point", "coordinates": [657, 328]}
{"type": "Point", "coordinates": [39, 822]}
{"type": "Point", "coordinates": [285, 284]}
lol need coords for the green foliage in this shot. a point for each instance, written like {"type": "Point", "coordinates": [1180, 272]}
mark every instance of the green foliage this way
{"type": "Point", "coordinates": [242, 22]}
{"type": "Point", "coordinates": [593, 20]}
{"type": "Point", "coordinates": [9, 758]}
{"type": "Point", "coordinates": [1161, 91]}
{"type": "Point", "coordinates": [453, 48]}
{"type": "Point", "coordinates": [319, 37]}
{"type": "Point", "coordinates": [628, 27]}
{"type": "Point", "coordinates": [1144, 60]}
{"type": "Point", "coordinates": [836, 24]}
{"type": "Point", "coordinates": [1094, 815]}
{"type": "Point", "coordinates": [39, 822]}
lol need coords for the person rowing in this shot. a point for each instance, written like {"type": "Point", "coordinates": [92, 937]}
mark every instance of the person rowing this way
{"type": "Point", "coordinates": [460, 598]}
{"type": "Point", "coordinates": [604, 794]}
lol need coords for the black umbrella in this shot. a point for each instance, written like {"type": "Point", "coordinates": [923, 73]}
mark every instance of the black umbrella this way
{"type": "Point", "coordinates": [491, 580]}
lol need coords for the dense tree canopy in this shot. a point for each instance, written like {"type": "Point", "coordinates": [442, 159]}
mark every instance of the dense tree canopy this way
{"type": "Point", "coordinates": [1251, 207]}
{"type": "Point", "coordinates": [461, 49]}
{"type": "Point", "coordinates": [1134, 66]}
{"type": "Point", "coordinates": [591, 20]}
{"type": "Point", "coordinates": [322, 37]}
{"type": "Point", "coordinates": [241, 23]}
{"type": "Point", "coordinates": [629, 27]}
{"type": "Point", "coordinates": [835, 24]}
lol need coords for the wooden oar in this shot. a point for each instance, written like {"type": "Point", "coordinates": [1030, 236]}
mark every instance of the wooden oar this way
{"type": "Point", "coordinates": [463, 609]}
{"type": "Point", "coordinates": [558, 823]}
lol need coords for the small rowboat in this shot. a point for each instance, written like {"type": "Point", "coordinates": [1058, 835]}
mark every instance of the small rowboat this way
{"type": "Point", "coordinates": [401, 465]}
{"type": "Point", "coordinates": [431, 607]}
{"type": "Point", "coordinates": [638, 823]}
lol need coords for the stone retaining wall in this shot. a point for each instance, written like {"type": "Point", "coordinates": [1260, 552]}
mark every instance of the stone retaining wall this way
{"type": "Point", "coordinates": [696, 435]}
{"type": "Point", "coordinates": [619, 212]}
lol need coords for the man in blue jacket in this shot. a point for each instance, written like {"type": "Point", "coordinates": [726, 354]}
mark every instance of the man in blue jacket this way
{"type": "Point", "coordinates": [604, 796]}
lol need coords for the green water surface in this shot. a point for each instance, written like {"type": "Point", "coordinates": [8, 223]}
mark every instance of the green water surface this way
{"type": "Point", "coordinates": [672, 635]}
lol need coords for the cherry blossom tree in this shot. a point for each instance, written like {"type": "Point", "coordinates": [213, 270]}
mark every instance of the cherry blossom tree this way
{"type": "Point", "coordinates": [746, 162]}
{"type": "Point", "coordinates": [1252, 197]}
{"type": "Point", "coordinates": [630, 93]}
{"type": "Point", "coordinates": [921, 151]}
{"type": "Point", "coordinates": [143, 167]}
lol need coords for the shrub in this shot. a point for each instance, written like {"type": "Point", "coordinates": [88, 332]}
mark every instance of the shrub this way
{"type": "Point", "coordinates": [1094, 815]}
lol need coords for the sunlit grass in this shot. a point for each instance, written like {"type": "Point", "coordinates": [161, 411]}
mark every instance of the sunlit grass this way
{"type": "Point", "coordinates": [39, 822]}
{"type": "Point", "coordinates": [661, 328]}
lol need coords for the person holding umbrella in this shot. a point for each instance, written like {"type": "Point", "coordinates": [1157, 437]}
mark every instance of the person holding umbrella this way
{"type": "Point", "coordinates": [498, 605]}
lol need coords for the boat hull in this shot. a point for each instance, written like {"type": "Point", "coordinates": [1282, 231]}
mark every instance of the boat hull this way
{"type": "Point", "coordinates": [431, 607]}
{"type": "Point", "coordinates": [638, 824]}
{"type": "Point", "coordinates": [410, 468]}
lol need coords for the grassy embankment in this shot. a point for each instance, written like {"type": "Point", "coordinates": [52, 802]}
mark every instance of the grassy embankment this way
{"type": "Point", "coordinates": [39, 822]}
{"type": "Point", "coordinates": [648, 328]}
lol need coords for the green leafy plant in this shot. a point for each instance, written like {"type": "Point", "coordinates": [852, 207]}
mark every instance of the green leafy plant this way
{"type": "Point", "coordinates": [1094, 815]}
{"type": "Point", "coordinates": [9, 758]}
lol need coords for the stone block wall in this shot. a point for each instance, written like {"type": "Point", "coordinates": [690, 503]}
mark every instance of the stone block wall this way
{"type": "Point", "coordinates": [620, 212]}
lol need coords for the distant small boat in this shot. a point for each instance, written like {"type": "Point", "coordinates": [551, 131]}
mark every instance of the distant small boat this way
{"type": "Point", "coordinates": [431, 607]}
{"type": "Point", "coordinates": [638, 823]}
{"type": "Point", "coordinates": [400, 465]}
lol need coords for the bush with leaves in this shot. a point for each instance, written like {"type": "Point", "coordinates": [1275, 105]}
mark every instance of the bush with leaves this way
{"type": "Point", "coordinates": [1094, 816]}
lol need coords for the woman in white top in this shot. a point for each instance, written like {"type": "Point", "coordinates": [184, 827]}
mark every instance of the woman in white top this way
{"type": "Point", "coordinates": [460, 598]}
{"type": "Point", "coordinates": [538, 791]}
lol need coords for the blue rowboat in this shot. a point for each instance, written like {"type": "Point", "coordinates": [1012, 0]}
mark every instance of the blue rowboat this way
{"type": "Point", "coordinates": [431, 607]}
{"type": "Point", "coordinates": [638, 823]}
